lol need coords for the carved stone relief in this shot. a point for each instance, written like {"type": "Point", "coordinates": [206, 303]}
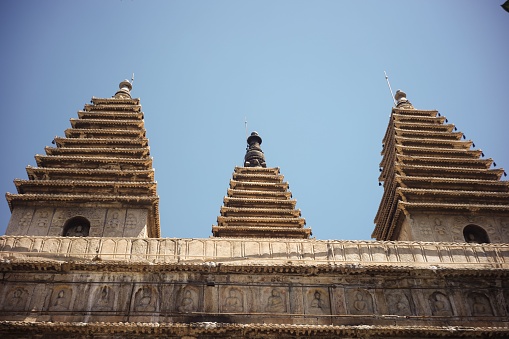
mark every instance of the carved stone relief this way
{"type": "Point", "coordinates": [233, 300]}
{"type": "Point", "coordinates": [16, 299]}
{"type": "Point", "coordinates": [60, 299]}
{"type": "Point", "coordinates": [440, 230]}
{"type": "Point", "coordinates": [41, 221]}
{"type": "Point", "coordinates": [276, 301]}
{"type": "Point", "coordinates": [20, 221]}
{"type": "Point", "coordinates": [114, 225]}
{"type": "Point", "coordinates": [398, 303]}
{"type": "Point", "coordinates": [479, 304]}
{"type": "Point", "coordinates": [145, 299]}
{"type": "Point", "coordinates": [188, 301]}
{"type": "Point", "coordinates": [104, 299]}
{"type": "Point", "coordinates": [440, 304]}
{"type": "Point", "coordinates": [318, 301]}
{"type": "Point", "coordinates": [135, 222]}
{"type": "Point", "coordinates": [360, 301]}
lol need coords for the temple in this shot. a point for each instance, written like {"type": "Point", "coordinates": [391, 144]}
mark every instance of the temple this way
{"type": "Point", "coordinates": [82, 256]}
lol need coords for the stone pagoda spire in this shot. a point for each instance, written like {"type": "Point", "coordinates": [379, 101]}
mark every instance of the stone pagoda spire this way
{"type": "Point", "coordinates": [259, 204]}
{"type": "Point", "coordinates": [96, 181]}
{"type": "Point", "coordinates": [254, 155]}
{"type": "Point", "coordinates": [436, 187]}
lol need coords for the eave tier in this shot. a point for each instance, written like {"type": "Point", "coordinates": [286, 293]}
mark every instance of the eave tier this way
{"type": "Point", "coordinates": [423, 127]}
{"type": "Point", "coordinates": [115, 101]}
{"type": "Point", "coordinates": [109, 124]}
{"type": "Point", "coordinates": [234, 193]}
{"type": "Point", "coordinates": [414, 112]}
{"type": "Point", "coordinates": [266, 178]}
{"type": "Point", "coordinates": [421, 119]}
{"type": "Point", "coordinates": [260, 232]}
{"type": "Point", "coordinates": [138, 153]}
{"type": "Point", "coordinates": [101, 142]}
{"type": "Point", "coordinates": [82, 200]}
{"type": "Point", "coordinates": [261, 222]}
{"type": "Point", "coordinates": [438, 152]}
{"type": "Point", "coordinates": [426, 206]}
{"type": "Point", "coordinates": [449, 172]}
{"type": "Point", "coordinates": [257, 170]}
{"type": "Point", "coordinates": [111, 115]}
{"type": "Point", "coordinates": [438, 135]}
{"type": "Point", "coordinates": [259, 212]}
{"type": "Point", "coordinates": [432, 143]}
{"type": "Point", "coordinates": [85, 187]}
{"type": "Point", "coordinates": [58, 161]}
{"type": "Point", "coordinates": [259, 186]}
{"type": "Point", "coordinates": [259, 203]}
{"type": "Point", "coordinates": [453, 196]}
{"type": "Point", "coordinates": [454, 162]}
{"type": "Point", "coordinates": [108, 107]}
{"type": "Point", "coordinates": [104, 133]}
{"type": "Point", "coordinates": [453, 183]}
{"type": "Point", "coordinates": [39, 173]}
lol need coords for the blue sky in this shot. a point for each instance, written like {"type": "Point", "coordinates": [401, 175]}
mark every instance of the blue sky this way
{"type": "Point", "coordinates": [308, 75]}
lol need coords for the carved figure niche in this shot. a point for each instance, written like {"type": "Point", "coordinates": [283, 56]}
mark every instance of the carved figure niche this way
{"type": "Point", "coordinates": [76, 227]}
{"type": "Point", "coordinates": [475, 234]}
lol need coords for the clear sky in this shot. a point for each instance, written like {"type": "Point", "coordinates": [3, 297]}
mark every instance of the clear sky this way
{"type": "Point", "coordinates": [308, 75]}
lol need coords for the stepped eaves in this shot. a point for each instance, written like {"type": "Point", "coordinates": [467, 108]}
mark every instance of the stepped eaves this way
{"type": "Point", "coordinates": [258, 203]}
{"type": "Point", "coordinates": [427, 167]}
{"type": "Point", "coordinates": [103, 160]}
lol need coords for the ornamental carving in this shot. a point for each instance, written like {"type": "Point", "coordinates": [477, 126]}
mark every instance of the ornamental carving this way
{"type": "Point", "coordinates": [145, 299]}
{"type": "Point", "coordinates": [398, 303]}
{"type": "Point", "coordinates": [188, 300]}
{"type": "Point", "coordinates": [104, 299]}
{"type": "Point", "coordinates": [60, 299]}
{"type": "Point", "coordinates": [16, 299]}
{"type": "Point", "coordinates": [318, 301]}
{"type": "Point", "coordinates": [360, 301]}
{"type": "Point", "coordinates": [440, 304]}
{"type": "Point", "coordinates": [479, 304]}
{"type": "Point", "coordinates": [233, 300]}
{"type": "Point", "coordinates": [276, 301]}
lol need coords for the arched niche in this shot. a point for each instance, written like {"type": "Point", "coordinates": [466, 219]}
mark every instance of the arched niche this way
{"type": "Point", "coordinates": [76, 227]}
{"type": "Point", "coordinates": [475, 234]}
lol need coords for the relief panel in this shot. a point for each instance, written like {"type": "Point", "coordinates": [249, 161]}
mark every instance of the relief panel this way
{"type": "Point", "coordinates": [318, 301]}
{"type": "Point", "coordinates": [41, 221]}
{"type": "Point", "coordinates": [115, 221]}
{"type": "Point", "coordinates": [21, 219]}
{"type": "Point", "coordinates": [359, 301]}
{"type": "Point", "coordinates": [233, 300]}
{"type": "Point", "coordinates": [135, 223]}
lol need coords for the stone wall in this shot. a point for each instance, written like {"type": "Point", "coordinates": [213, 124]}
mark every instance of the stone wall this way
{"type": "Point", "coordinates": [309, 282]}
{"type": "Point", "coordinates": [104, 222]}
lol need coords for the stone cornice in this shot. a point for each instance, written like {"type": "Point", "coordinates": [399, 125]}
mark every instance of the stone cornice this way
{"type": "Point", "coordinates": [255, 252]}
{"type": "Point", "coordinates": [141, 142]}
{"type": "Point", "coordinates": [246, 330]}
{"type": "Point", "coordinates": [70, 132]}
{"type": "Point", "coordinates": [110, 114]}
{"type": "Point", "coordinates": [89, 173]}
{"type": "Point", "coordinates": [99, 101]}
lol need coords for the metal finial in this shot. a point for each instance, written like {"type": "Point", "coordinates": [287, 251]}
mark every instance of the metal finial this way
{"type": "Point", "coordinates": [254, 155]}
{"type": "Point", "coordinates": [403, 102]}
{"type": "Point", "coordinates": [124, 91]}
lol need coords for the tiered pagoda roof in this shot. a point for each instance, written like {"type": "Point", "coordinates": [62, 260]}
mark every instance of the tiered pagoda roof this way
{"type": "Point", "coordinates": [428, 166]}
{"type": "Point", "coordinates": [103, 159]}
{"type": "Point", "coordinates": [258, 203]}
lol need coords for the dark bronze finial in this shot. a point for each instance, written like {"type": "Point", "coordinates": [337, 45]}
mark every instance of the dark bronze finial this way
{"type": "Point", "coordinates": [254, 155]}
{"type": "Point", "coordinates": [403, 102]}
{"type": "Point", "coordinates": [125, 90]}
